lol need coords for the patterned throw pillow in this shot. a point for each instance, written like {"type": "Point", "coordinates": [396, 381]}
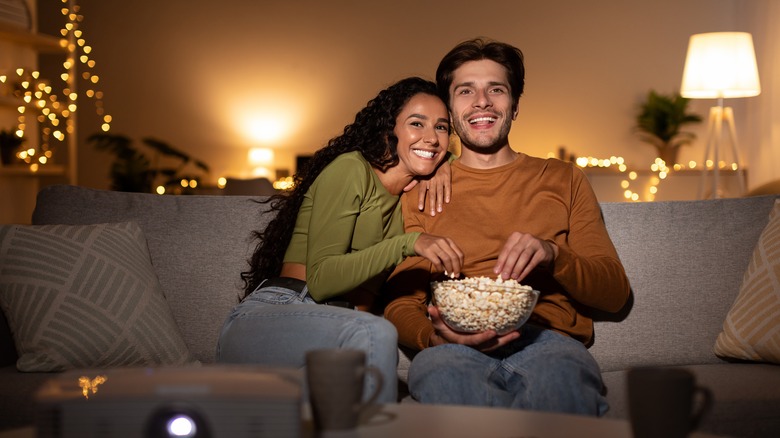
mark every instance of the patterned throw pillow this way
{"type": "Point", "coordinates": [752, 327]}
{"type": "Point", "coordinates": [80, 296]}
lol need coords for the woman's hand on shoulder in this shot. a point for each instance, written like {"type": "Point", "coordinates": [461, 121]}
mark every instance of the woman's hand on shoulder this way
{"type": "Point", "coordinates": [436, 189]}
{"type": "Point", "coordinates": [443, 252]}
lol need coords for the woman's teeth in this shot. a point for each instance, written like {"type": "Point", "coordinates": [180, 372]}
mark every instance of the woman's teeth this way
{"type": "Point", "coordinates": [423, 154]}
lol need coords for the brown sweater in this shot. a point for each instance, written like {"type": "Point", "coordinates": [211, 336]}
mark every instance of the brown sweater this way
{"type": "Point", "coordinates": [549, 199]}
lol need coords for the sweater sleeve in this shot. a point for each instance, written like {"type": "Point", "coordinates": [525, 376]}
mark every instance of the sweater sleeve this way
{"type": "Point", "coordinates": [588, 266]}
{"type": "Point", "coordinates": [332, 267]}
{"type": "Point", "coordinates": [408, 301]}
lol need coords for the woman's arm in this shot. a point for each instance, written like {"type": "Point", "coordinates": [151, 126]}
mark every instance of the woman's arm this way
{"type": "Point", "coordinates": [332, 267]}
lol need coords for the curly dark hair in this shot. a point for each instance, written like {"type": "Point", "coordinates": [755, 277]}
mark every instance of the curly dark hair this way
{"type": "Point", "coordinates": [371, 133]}
{"type": "Point", "coordinates": [478, 49]}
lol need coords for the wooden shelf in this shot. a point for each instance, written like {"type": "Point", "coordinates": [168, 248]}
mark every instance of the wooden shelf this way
{"type": "Point", "coordinates": [24, 170]}
{"type": "Point", "coordinates": [40, 42]}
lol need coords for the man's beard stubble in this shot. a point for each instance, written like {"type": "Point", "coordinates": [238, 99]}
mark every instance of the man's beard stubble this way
{"type": "Point", "coordinates": [482, 147]}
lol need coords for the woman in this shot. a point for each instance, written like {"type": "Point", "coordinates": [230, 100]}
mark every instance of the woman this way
{"type": "Point", "coordinates": [337, 237]}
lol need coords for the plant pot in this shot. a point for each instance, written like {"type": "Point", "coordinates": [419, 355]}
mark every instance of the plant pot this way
{"type": "Point", "coordinates": [7, 156]}
{"type": "Point", "coordinates": [669, 154]}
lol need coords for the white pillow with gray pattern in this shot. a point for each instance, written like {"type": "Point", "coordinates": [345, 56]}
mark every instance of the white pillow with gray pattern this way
{"type": "Point", "coordinates": [83, 296]}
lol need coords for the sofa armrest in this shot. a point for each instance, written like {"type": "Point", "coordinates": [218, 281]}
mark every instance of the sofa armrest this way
{"type": "Point", "coordinates": [8, 354]}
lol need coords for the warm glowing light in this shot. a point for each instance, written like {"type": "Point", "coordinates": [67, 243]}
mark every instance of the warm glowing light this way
{"type": "Point", "coordinates": [160, 190]}
{"type": "Point", "coordinates": [720, 65]}
{"type": "Point", "coordinates": [261, 172]}
{"type": "Point", "coordinates": [261, 156]}
{"type": "Point", "coordinates": [221, 182]}
{"type": "Point", "coordinates": [88, 385]}
{"type": "Point", "coordinates": [285, 183]}
{"type": "Point", "coordinates": [266, 129]}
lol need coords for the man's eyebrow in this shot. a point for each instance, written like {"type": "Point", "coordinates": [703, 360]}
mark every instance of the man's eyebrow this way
{"type": "Point", "coordinates": [464, 84]}
{"type": "Point", "coordinates": [472, 84]}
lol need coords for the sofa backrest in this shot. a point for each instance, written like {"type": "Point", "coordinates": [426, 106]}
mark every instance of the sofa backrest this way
{"type": "Point", "coordinates": [685, 261]}
{"type": "Point", "coordinates": [199, 245]}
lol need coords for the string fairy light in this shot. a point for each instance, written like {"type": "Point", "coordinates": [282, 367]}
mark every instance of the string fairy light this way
{"type": "Point", "coordinates": [76, 43]}
{"type": "Point", "coordinates": [658, 167]}
{"type": "Point", "coordinates": [39, 100]}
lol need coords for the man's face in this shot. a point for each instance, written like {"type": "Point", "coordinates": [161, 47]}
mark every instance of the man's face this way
{"type": "Point", "coordinates": [481, 105]}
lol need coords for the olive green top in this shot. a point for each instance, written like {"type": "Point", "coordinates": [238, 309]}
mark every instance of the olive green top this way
{"type": "Point", "coordinates": [349, 232]}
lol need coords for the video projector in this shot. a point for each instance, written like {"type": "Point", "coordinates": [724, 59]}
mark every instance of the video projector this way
{"type": "Point", "coordinates": [198, 402]}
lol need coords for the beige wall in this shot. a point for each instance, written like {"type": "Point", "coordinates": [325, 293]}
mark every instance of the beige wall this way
{"type": "Point", "coordinates": [195, 73]}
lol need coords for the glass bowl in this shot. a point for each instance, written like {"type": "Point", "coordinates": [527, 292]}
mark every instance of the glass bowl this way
{"type": "Point", "coordinates": [476, 304]}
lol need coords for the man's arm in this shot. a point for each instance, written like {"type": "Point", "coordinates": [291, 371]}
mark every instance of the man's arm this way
{"type": "Point", "coordinates": [587, 264]}
{"type": "Point", "coordinates": [408, 307]}
{"type": "Point", "coordinates": [583, 260]}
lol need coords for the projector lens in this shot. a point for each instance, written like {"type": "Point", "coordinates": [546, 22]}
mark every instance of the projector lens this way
{"type": "Point", "coordinates": [182, 426]}
{"type": "Point", "coordinates": [176, 420]}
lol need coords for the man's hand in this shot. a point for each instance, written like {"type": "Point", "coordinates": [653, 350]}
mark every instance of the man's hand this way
{"type": "Point", "coordinates": [483, 341]}
{"type": "Point", "coordinates": [443, 253]}
{"type": "Point", "coordinates": [437, 188]}
{"type": "Point", "coordinates": [522, 253]}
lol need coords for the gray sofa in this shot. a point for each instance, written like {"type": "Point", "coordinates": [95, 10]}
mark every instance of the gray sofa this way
{"type": "Point", "coordinates": [685, 261]}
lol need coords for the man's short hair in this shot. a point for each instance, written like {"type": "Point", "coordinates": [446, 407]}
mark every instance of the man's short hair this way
{"type": "Point", "coordinates": [477, 49]}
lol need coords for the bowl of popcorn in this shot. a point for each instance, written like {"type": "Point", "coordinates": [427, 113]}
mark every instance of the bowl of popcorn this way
{"type": "Point", "coordinates": [476, 304]}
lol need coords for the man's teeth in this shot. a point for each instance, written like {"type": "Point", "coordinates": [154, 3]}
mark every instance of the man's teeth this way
{"type": "Point", "coordinates": [423, 154]}
{"type": "Point", "coordinates": [482, 119]}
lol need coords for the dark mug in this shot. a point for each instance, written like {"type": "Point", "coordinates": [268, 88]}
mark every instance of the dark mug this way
{"type": "Point", "coordinates": [335, 379]}
{"type": "Point", "coordinates": [665, 402]}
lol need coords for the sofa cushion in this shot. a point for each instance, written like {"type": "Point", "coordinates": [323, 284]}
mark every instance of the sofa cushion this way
{"type": "Point", "coordinates": [199, 245]}
{"type": "Point", "coordinates": [84, 296]}
{"type": "Point", "coordinates": [752, 327]}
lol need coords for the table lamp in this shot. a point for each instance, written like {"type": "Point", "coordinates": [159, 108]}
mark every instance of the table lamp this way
{"type": "Point", "coordinates": [720, 65]}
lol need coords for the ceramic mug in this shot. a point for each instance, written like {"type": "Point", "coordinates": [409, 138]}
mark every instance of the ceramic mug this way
{"type": "Point", "coordinates": [335, 379]}
{"type": "Point", "coordinates": [665, 402]}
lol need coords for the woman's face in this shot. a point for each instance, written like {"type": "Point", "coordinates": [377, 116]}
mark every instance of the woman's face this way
{"type": "Point", "coordinates": [423, 131]}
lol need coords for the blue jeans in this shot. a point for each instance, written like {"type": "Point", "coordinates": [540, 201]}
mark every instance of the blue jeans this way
{"type": "Point", "coordinates": [543, 370]}
{"type": "Point", "coordinates": [275, 326]}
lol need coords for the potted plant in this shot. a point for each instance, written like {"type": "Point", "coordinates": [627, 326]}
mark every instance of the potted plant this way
{"type": "Point", "coordinates": [660, 121]}
{"type": "Point", "coordinates": [133, 171]}
{"type": "Point", "coordinates": [9, 146]}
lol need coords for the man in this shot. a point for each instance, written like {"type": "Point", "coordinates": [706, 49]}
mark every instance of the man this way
{"type": "Point", "coordinates": [530, 219]}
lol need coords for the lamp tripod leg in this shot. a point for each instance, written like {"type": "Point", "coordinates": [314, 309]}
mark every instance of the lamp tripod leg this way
{"type": "Point", "coordinates": [712, 137]}
{"type": "Point", "coordinates": [728, 116]}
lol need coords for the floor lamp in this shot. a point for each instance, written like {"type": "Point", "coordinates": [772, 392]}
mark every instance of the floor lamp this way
{"type": "Point", "coordinates": [720, 65]}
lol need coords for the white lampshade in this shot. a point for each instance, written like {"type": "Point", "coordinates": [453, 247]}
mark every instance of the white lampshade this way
{"type": "Point", "coordinates": [720, 65]}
